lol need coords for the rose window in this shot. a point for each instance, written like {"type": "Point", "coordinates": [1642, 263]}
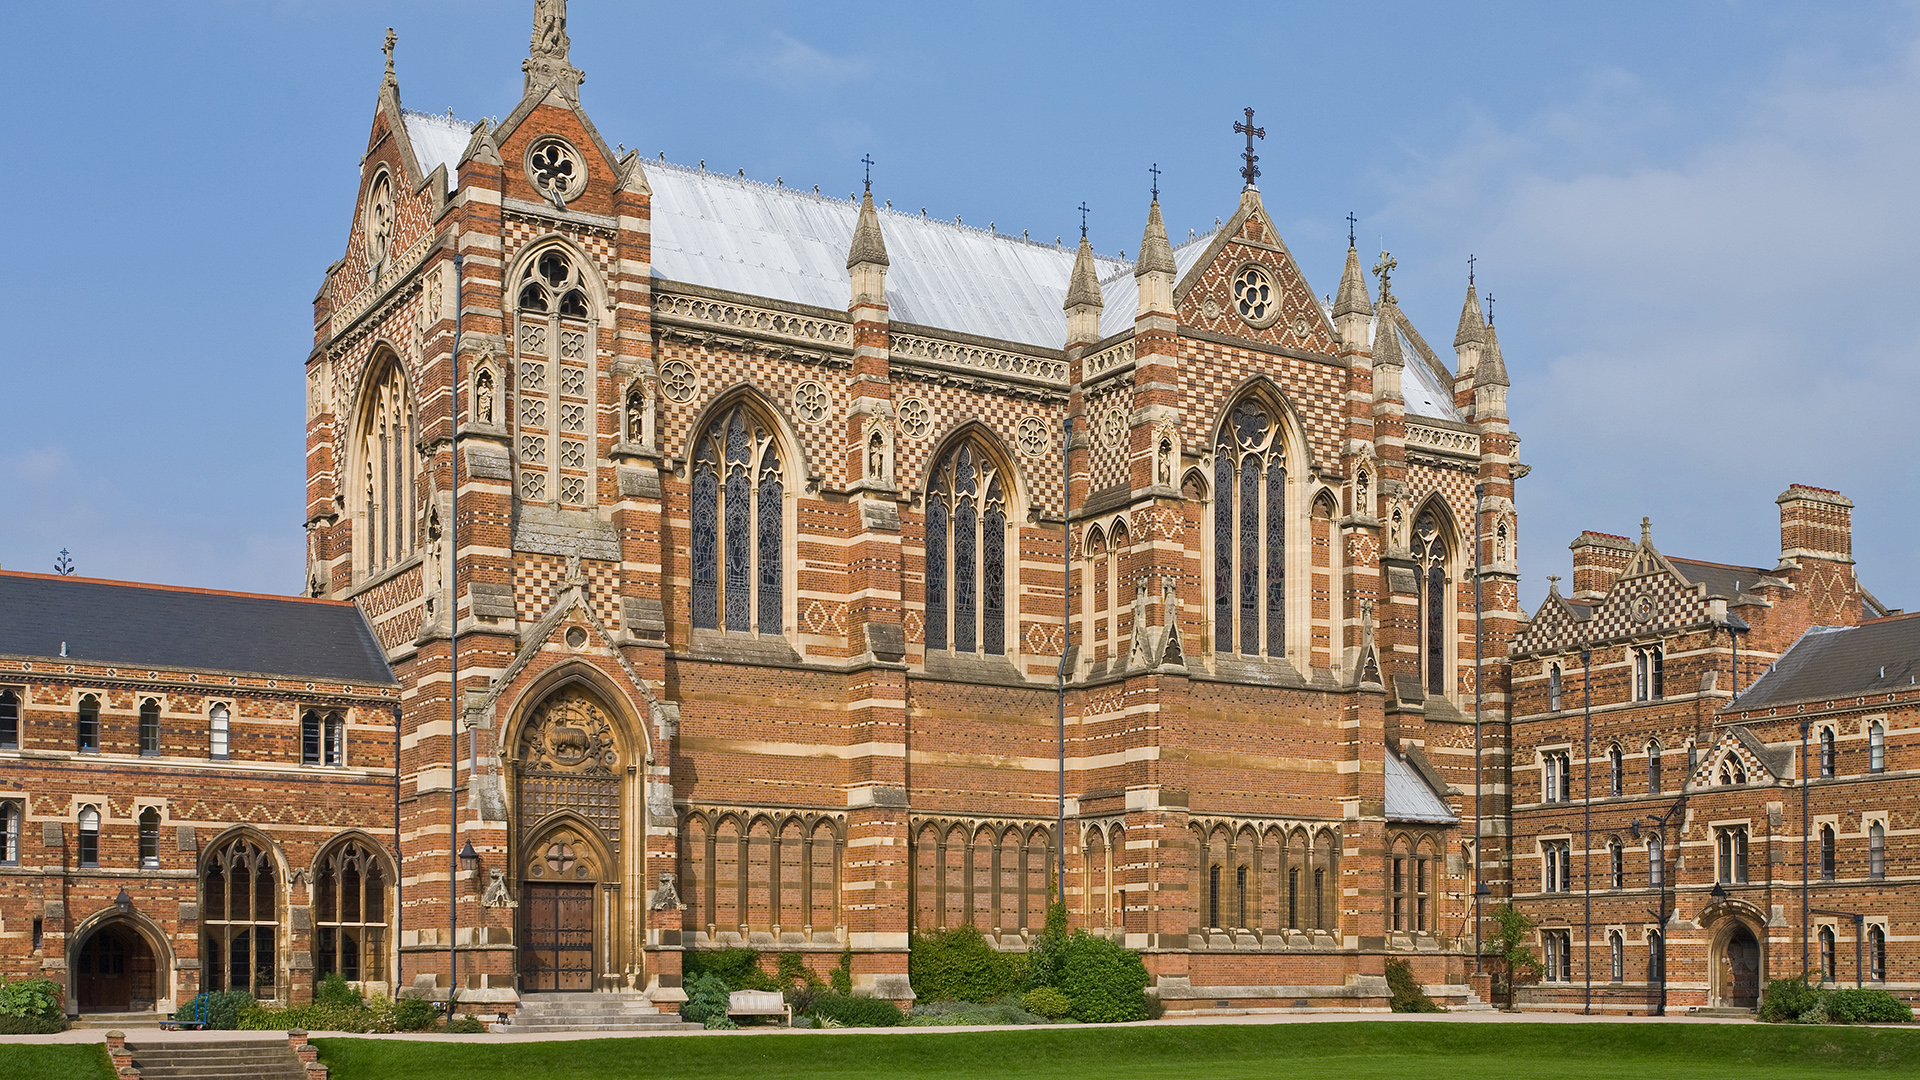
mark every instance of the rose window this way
{"type": "Point", "coordinates": [1253, 296]}
{"type": "Point", "coordinates": [556, 170]}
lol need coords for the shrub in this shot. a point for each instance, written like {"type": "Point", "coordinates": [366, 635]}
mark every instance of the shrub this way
{"type": "Point", "coordinates": [465, 1025]}
{"type": "Point", "coordinates": [414, 1014]}
{"type": "Point", "coordinates": [375, 1017]}
{"type": "Point", "coordinates": [1867, 1007]}
{"type": "Point", "coordinates": [224, 1008]}
{"type": "Point", "coordinates": [1106, 983]}
{"type": "Point", "coordinates": [31, 999]}
{"type": "Point", "coordinates": [841, 978]}
{"type": "Point", "coordinates": [1044, 956]}
{"type": "Point", "coordinates": [30, 1025]}
{"type": "Point", "coordinates": [722, 1022]}
{"type": "Point", "coordinates": [706, 998]}
{"type": "Point", "coordinates": [334, 989]}
{"type": "Point", "coordinates": [958, 1013]}
{"type": "Point", "coordinates": [1407, 995]}
{"type": "Point", "coordinates": [738, 968]}
{"type": "Point", "coordinates": [959, 965]}
{"type": "Point", "coordinates": [1046, 1001]}
{"type": "Point", "coordinates": [1787, 999]}
{"type": "Point", "coordinates": [849, 1011]}
{"type": "Point", "coordinates": [793, 969]}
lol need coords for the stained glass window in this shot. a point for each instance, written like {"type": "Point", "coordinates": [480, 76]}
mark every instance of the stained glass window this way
{"type": "Point", "coordinates": [966, 589]}
{"type": "Point", "coordinates": [1250, 534]}
{"type": "Point", "coordinates": [738, 527]}
{"type": "Point", "coordinates": [389, 464]}
{"type": "Point", "coordinates": [1430, 554]}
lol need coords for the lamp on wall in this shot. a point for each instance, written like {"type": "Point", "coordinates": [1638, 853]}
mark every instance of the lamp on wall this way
{"type": "Point", "coordinates": [469, 859]}
{"type": "Point", "coordinates": [124, 901]}
{"type": "Point", "coordinates": [1719, 892]}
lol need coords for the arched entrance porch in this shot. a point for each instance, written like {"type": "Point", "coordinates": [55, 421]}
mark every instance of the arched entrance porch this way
{"type": "Point", "coordinates": [116, 969]}
{"type": "Point", "coordinates": [1737, 957]}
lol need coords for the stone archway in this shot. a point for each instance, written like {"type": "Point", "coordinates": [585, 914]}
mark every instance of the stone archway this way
{"type": "Point", "coordinates": [116, 969]}
{"type": "Point", "coordinates": [1738, 960]}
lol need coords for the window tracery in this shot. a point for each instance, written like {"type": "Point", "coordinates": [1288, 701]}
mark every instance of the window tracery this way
{"type": "Point", "coordinates": [350, 905]}
{"type": "Point", "coordinates": [1250, 533]}
{"type": "Point", "coordinates": [966, 530]}
{"type": "Point", "coordinates": [738, 524]}
{"type": "Point", "coordinates": [389, 464]}
{"type": "Point", "coordinates": [240, 918]}
{"type": "Point", "coordinates": [1429, 551]}
{"type": "Point", "coordinates": [555, 381]}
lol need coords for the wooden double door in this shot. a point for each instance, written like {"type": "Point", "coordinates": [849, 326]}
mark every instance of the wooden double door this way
{"type": "Point", "coordinates": [116, 972]}
{"type": "Point", "coordinates": [557, 939]}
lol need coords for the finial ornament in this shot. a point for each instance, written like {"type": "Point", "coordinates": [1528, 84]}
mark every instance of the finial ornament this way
{"type": "Point", "coordinates": [388, 49]}
{"type": "Point", "coordinates": [1155, 170]}
{"type": "Point", "coordinates": [867, 160]}
{"type": "Point", "coordinates": [1553, 582]}
{"type": "Point", "coordinates": [550, 29]}
{"type": "Point", "coordinates": [1351, 222]}
{"type": "Point", "coordinates": [1083, 219]}
{"type": "Point", "coordinates": [1384, 271]}
{"type": "Point", "coordinates": [1646, 531]}
{"type": "Point", "coordinates": [1489, 309]}
{"type": "Point", "coordinates": [1470, 261]}
{"type": "Point", "coordinates": [1249, 170]}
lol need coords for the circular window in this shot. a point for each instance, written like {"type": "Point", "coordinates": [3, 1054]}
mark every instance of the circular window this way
{"type": "Point", "coordinates": [378, 218]}
{"type": "Point", "coordinates": [556, 170]}
{"type": "Point", "coordinates": [576, 637]}
{"type": "Point", "coordinates": [1253, 297]}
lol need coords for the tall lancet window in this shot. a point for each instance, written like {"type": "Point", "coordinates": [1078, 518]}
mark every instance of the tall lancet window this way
{"type": "Point", "coordinates": [389, 466]}
{"type": "Point", "coordinates": [555, 377]}
{"type": "Point", "coordinates": [1430, 560]}
{"type": "Point", "coordinates": [967, 553]}
{"type": "Point", "coordinates": [739, 516]}
{"type": "Point", "coordinates": [1250, 533]}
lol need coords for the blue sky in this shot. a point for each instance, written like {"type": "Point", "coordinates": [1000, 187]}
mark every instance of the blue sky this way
{"type": "Point", "coordinates": [1697, 218]}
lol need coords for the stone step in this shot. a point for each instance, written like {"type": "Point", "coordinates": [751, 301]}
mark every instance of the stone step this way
{"type": "Point", "coordinates": [93, 1021]}
{"type": "Point", "coordinates": [674, 1024]}
{"type": "Point", "coordinates": [223, 1060]}
{"type": "Point", "coordinates": [1722, 1013]}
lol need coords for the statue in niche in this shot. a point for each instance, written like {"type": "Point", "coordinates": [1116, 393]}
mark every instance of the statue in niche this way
{"type": "Point", "coordinates": [636, 408]}
{"type": "Point", "coordinates": [1362, 495]}
{"type": "Point", "coordinates": [1165, 476]}
{"type": "Point", "coordinates": [876, 457]}
{"type": "Point", "coordinates": [483, 398]}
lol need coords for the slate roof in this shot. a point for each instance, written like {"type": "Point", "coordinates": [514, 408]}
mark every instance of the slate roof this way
{"type": "Point", "coordinates": [120, 622]}
{"type": "Point", "coordinates": [1719, 578]}
{"type": "Point", "coordinates": [1409, 798]}
{"type": "Point", "coordinates": [1840, 661]}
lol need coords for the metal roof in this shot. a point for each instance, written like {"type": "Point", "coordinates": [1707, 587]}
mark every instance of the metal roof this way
{"type": "Point", "coordinates": [757, 239]}
{"type": "Point", "coordinates": [1838, 662]}
{"type": "Point", "coordinates": [119, 622]}
{"type": "Point", "coordinates": [1120, 293]}
{"type": "Point", "coordinates": [1410, 799]}
{"type": "Point", "coordinates": [438, 140]}
{"type": "Point", "coordinates": [1419, 386]}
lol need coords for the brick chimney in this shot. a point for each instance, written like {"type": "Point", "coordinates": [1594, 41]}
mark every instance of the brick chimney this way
{"type": "Point", "coordinates": [1598, 560]}
{"type": "Point", "coordinates": [1815, 523]}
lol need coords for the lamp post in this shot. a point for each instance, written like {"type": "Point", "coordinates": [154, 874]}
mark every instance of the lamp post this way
{"type": "Point", "coordinates": [1660, 916]}
{"type": "Point", "coordinates": [1806, 912]}
{"type": "Point", "coordinates": [1859, 933]}
{"type": "Point", "coordinates": [1480, 886]}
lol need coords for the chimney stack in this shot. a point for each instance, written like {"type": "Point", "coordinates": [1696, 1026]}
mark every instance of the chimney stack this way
{"type": "Point", "coordinates": [1815, 523]}
{"type": "Point", "coordinates": [1598, 561]}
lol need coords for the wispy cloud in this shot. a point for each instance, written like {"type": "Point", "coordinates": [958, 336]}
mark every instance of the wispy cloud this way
{"type": "Point", "coordinates": [796, 65]}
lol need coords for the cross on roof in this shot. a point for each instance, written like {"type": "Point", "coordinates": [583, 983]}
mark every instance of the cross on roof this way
{"type": "Point", "coordinates": [1351, 222]}
{"type": "Point", "coordinates": [1250, 170]}
{"type": "Point", "coordinates": [1384, 271]}
{"type": "Point", "coordinates": [868, 160]}
{"type": "Point", "coordinates": [388, 48]}
{"type": "Point", "coordinates": [1155, 170]}
{"type": "Point", "coordinates": [1489, 309]}
{"type": "Point", "coordinates": [1083, 219]}
{"type": "Point", "coordinates": [1470, 262]}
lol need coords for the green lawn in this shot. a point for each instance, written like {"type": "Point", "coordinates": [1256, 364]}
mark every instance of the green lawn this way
{"type": "Point", "coordinates": [55, 1061]}
{"type": "Point", "coordinates": [1353, 1051]}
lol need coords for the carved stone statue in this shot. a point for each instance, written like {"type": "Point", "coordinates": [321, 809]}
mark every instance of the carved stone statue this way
{"type": "Point", "coordinates": [636, 403]}
{"type": "Point", "coordinates": [483, 398]}
{"type": "Point", "coordinates": [876, 457]}
{"type": "Point", "coordinates": [1165, 475]}
{"type": "Point", "coordinates": [666, 897]}
{"type": "Point", "coordinates": [550, 29]}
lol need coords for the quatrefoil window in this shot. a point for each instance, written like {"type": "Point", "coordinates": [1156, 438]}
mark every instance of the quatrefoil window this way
{"type": "Point", "coordinates": [1253, 297]}
{"type": "Point", "coordinates": [556, 170]}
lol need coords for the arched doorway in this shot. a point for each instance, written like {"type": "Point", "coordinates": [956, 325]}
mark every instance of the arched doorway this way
{"type": "Point", "coordinates": [1738, 969]}
{"type": "Point", "coordinates": [115, 971]}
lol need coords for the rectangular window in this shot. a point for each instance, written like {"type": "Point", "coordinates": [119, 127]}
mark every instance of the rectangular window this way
{"type": "Point", "coordinates": [10, 815]}
{"type": "Point", "coordinates": [1557, 864]}
{"type": "Point", "coordinates": [1558, 946]}
{"type": "Point", "coordinates": [1656, 958]}
{"type": "Point", "coordinates": [1421, 922]}
{"type": "Point", "coordinates": [1399, 893]}
{"type": "Point", "coordinates": [1733, 855]}
{"type": "Point", "coordinates": [39, 935]}
{"type": "Point", "coordinates": [1656, 864]}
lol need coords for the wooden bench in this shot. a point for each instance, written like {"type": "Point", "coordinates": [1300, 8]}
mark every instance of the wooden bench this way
{"type": "Point", "coordinates": [759, 1003]}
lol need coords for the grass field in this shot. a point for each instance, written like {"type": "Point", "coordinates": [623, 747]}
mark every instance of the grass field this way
{"type": "Point", "coordinates": [1353, 1051]}
{"type": "Point", "coordinates": [55, 1061]}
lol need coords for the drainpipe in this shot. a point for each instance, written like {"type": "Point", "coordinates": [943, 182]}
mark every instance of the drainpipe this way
{"type": "Point", "coordinates": [1060, 677]}
{"type": "Point", "coordinates": [453, 653]}
{"type": "Point", "coordinates": [1479, 829]}
{"type": "Point", "coordinates": [399, 879]}
{"type": "Point", "coordinates": [1586, 819]}
{"type": "Point", "coordinates": [1806, 913]}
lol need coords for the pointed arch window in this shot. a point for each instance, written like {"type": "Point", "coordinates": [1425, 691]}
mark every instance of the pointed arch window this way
{"type": "Point", "coordinates": [739, 530]}
{"type": "Point", "coordinates": [1653, 767]}
{"type": "Point", "coordinates": [1616, 770]}
{"type": "Point", "coordinates": [1876, 747]}
{"type": "Point", "coordinates": [389, 466]}
{"type": "Point", "coordinates": [1828, 854]}
{"type": "Point", "coordinates": [239, 918]}
{"type": "Point", "coordinates": [1826, 752]}
{"type": "Point", "coordinates": [1656, 863]}
{"type": "Point", "coordinates": [1553, 687]}
{"type": "Point", "coordinates": [89, 836]}
{"type": "Point", "coordinates": [554, 382]}
{"type": "Point", "coordinates": [1429, 549]}
{"type": "Point", "coordinates": [350, 903]}
{"type": "Point", "coordinates": [1877, 850]}
{"type": "Point", "coordinates": [150, 838]}
{"type": "Point", "coordinates": [1877, 953]}
{"type": "Point", "coordinates": [218, 730]}
{"type": "Point", "coordinates": [9, 720]}
{"type": "Point", "coordinates": [1617, 948]}
{"type": "Point", "coordinates": [1616, 864]}
{"type": "Point", "coordinates": [150, 727]}
{"type": "Point", "coordinates": [966, 590]}
{"type": "Point", "coordinates": [1250, 533]}
{"type": "Point", "coordinates": [89, 729]}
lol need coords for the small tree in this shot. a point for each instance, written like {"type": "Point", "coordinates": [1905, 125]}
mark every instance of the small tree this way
{"type": "Point", "coordinates": [1508, 947]}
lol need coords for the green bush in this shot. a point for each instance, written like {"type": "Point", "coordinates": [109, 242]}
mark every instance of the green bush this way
{"type": "Point", "coordinates": [1046, 1001]}
{"type": "Point", "coordinates": [334, 989]}
{"type": "Point", "coordinates": [375, 1017]}
{"type": "Point", "coordinates": [1867, 1007]}
{"type": "Point", "coordinates": [738, 968]}
{"type": "Point", "coordinates": [849, 1011]}
{"type": "Point", "coordinates": [223, 1008]}
{"type": "Point", "coordinates": [967, 1013]}
{"type": "Point", "coordinates": [1106, 983]}
{"type": "Point", "coordinates": [465, 1025]}
{"type": "Point", "coordinates": [414, 1014]}
{"type": "Point", "coordinates": [959, 965]}
{"type": "Point", "coordinates": [31, 999]}
{"type": "Point", "coordinates": [793, 969]}
{"type": "Point", "coordinates": [722, 1022]}
{"type": "Point", "coordinates": [1407, 995]}
{"type": "Point", "coordinates": [31, 1025]}
{"type": "Point", "coordinates": [841, 978]}
{"type": "Point", "coordinates": [707, 997]}
{"type": "Point", "coordinates": [1045, 954]}
{"type": "Point", "coordinates": [1787, 999]}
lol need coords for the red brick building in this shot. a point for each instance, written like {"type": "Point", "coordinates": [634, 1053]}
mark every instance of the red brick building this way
{"type": "Point", "coordinates": [1737, 787]}
{"type": "Point", "coordinates": [714, 530]}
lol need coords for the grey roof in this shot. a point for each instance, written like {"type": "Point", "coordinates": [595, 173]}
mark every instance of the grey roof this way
{"type": "Point", "coordinates": [761, 240]}
{"type": "Point", "coordinates": [1719, 578]}
{"type": "Point", "coordinates": [438, 140]}
{"type": "Point", "coordinates": [1841, 661]}
{"type": "Point", "coordinates": [1409, 798]}
{"type": "Point", "coordinates": [118, 622]}
{"type": "Point", "coordinates": [1121, 291]}
{"type": "Point", "coordinates": [1419, 385]}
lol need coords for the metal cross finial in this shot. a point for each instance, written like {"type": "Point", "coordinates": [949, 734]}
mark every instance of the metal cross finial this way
{"type": "Point", "coordinates": [1155, 170]}
{"type": "Point", "coordinates": [1083, 219]}
{"type": "Point", "coordinates": [1489, 309]}
{"type": "Point", "coordinates": [1470, 262]}
{"type": "Point", "coordinates": [1351, 222]}
{"type": "Point", "coordinates": [1384, 271]}
{"type": "Point", "coordinates": [867, 159]}
{"type": "Point", "coordinates": [388, 48]}
{"type": "Point", "coordinates": [1250, 170]}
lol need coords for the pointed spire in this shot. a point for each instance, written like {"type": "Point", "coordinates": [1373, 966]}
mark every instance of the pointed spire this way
{"type": "Point", "coordinates": [1646, 532]}
{"type": "Point", "coordinates": [1156, 254]}
{"type": "Point", "coordinates": [548, 62]}
{"type": "Point", "coordinates": [868, 245]}
{"type": "Point", "coordinates": [1472, 326]}
{"type": "Point", "coordinates": [1386, 337]}
{"type": "Point", "coordinates": [1491, 371]}
{"type": "Point", "coordinates": [1084, 288]}
{"type": "Point", "coordinates": [1352, 299]}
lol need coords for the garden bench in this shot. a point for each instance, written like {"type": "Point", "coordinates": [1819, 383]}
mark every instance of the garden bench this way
{"type": "Point", "coordinates": [759, 1003]}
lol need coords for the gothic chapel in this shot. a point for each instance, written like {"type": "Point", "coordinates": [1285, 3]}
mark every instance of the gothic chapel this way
{"type": "Point", "coordinates": [713, 530]}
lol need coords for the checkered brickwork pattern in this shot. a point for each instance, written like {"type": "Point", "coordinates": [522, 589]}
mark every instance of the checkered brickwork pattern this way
{"type": "Point", "coordinates": [537, 579]}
